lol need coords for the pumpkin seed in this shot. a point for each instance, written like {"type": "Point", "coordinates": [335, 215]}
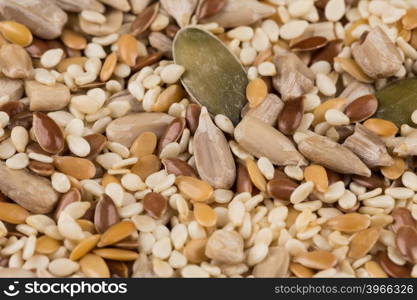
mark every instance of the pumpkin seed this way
{"type": "Point", "coordinates": [397, 101]}
{"type": "Point", "coordinates": [213, 76]}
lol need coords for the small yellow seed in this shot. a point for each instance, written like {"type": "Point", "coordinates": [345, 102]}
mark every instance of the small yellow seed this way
{"type": "Point", "coordinates": [194, 189]}
{"type": "Point", "coordinates": [255, 175]}
{"type": "Point", "coordinates": [127, 47]}
{"type": "Point", "coordinates": [396, 170]}
{"type": "Point", "coordinates": [84, 247]}
{"type": "Point", "coordinates": [318, 175]}
{"type": "Point", "coordinates": [46, 245]}
{"type": "Point", "coordinates": [108, 67]}
{"type": "Point", "coordinates": [381, 127]}
{"type": "Point", "coordinates": [116, 233]}
{"type": "Point", "coordinates": [320, 111]}
{"type": "Point", "coordinates": [13, 213]}
{"type": "Point", "coordinates": [205, 215]}
{"type": "Point", "coordinates": [256, 92]}
{"type": "Point", "coordinates": [16, 33]}
{"type": "Point", "coordinates": [144, 144]}
{"type": "Point", "coordinates": [94, 266]}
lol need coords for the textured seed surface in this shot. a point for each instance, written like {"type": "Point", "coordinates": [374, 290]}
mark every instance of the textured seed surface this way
{"type": "Point", "coordinates": [352, 222]}
{"type": "Point", "coordinates": [211, 78]}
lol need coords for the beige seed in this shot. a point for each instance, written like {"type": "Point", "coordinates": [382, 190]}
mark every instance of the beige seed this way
{"type": "Point", "coordinates": [20, 138]}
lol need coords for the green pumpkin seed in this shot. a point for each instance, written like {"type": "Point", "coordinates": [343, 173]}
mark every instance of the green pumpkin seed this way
{"type": "Point", "coordinates": [213, 77]}
{"type": "Point", "coordinates": [397, 101]}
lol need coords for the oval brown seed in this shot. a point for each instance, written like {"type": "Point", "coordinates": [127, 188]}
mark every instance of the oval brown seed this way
{"type": "Point", "coordinates": [192, 115]}
{"type": "Point", "coordinates": [317, 259]}
{"type": "Point", "coordinates": [40, 168]}
{"type": "Point", "coordinates": [172, 133]}
{"type": "Point", "coordinates": [372, 182]}
{"type": "Point", "coordinates": [128, 50]}
{"type": "Point", "coordinates": [108, 66]}
{"type": "Point", "coordinates": [363, 241]}
{"type": "Point", "coordinates": [117, 254]}
{"type": "Point", "coordinates": [13, 108]}
{"type": "Point", "coordinates": [73, 195]}
{"type": "Point", "coordinates": [349, 223]}
{"type": "Point", "coordinates": [291, 115]}
{"type": "Point", "coordinates": [243, 182]}
{"type": "Point", "coordinates": [208, 8]}
{"type": "Point", "coordinates": [106, 214]}
{"type": "Point", "coordinates": [172, 94]}
{"type": "Point", "coordinates": [328, 53]}
{"type": "Point", "coordinates": [146, 166]}
{"type": "Point", "coordinates": [73, 40]}
{"type": "Point", "coordinates": [94, 266]}
{"type": "Point", "coordinates": [116, 233]}
{"type": "Point", "coordinates": [48, 134]}
{"type": "Point", "coordinates": [79, 168]}
{"type": "Point", "coordinates": [13, 213]}
{"type": "Point", "coordinates": [281, 188]}
{"type": "Point", "coordinates": [333, 176]}
{"type": "Point", "coordinates": [144, 19]}
{"type": "Point", "coordinates": [402, 217]}
{"type": "Point", "coordinates": [147, 61]}
{"type": "Point", "coordinates": [37, 48]}
{"type": "Point", "coordinates": [24, 119]}
{"type": "Point", "coordinates": [84, 247]}
{"type": "Point", "coordinates": [392, 269]}
{"type": "Point", "coordinates": [178, 167]}
{"type": "Point", "coordinates": [310, 44]}
{"type": "Point", "coordinates": [154, 204]}
{"type": "Point", "coordinates": [46, 245]}
{"type": "Point", "coordinates": [144, 144]}
{"type": "Point", "coordinates": [362, 108]}
{"type": "Point", "coordinates": [406, 240]}
{"type": "Point", "coordinates": [118, 268]}
{"type": "Point", "coordinates": [194, 189]}
{"type": "Point", "coordinates": [97, 143]}
{"type": "Point", "coordinates": [205, 215]}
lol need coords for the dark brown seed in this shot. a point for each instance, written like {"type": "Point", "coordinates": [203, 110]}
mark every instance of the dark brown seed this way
{"type": "Point", "coordinates": [127, 243]}
{"type": "Point", "coordinates": [172, 133]}
{"type": "Point", "coordinates": [362, 108]}
{"type": "Point", "coordinates": [192, 115]}
{"type": "Point", "coordinates": [154, 204]}
{"type": "Point", "coordinates": [171, 30]}
{"type": "Point", "coordinates": [243, 182]}
{"type": "Point", "coordinates": [13, 107]}
{"type": "Point", "coordinates": [73, 195]}
{"type": "Point", "coordinates": [89, 214]}
{"type": "Point", "coordinates": [281, 188]}
{"type": "Point", "coordinates": [105, 214]}
{"type": "Point", "coordinates": [332, 176]}
{"type": "Point", "coordinates": [41, 168]}
{"type": "Point", "coordinates": [402, 217]}
{"type": "Point", "coordinates": [392, 269]}
{"type": "Point", "coordinates": [147, 61]}
{"type": "Point", "coordinates": [291, 115]}
{"type": "Point", "coordinates": [208, 8]}
{"type": "Point", "coordinates": [144, 19]}
{"type": "Point", "coordinates": [406, 240]}
{"type": "Point", "coordinates": [35, 148]}
{"type": "Point", "coordinates": [311, 43]}
{"type": "Point", "coordinates": [92, 85]}
{"type": "Point", "coordinates": [372, 182]}
{"type": "Point", "coordinates": [24, 119]}
{"type": "Point", "coordinates": [344, 131]}
{"type": "Point", "coordinates": [4, 261]}
{"type": "Point", "coordinates": [178, 167]}
{"type": "Point", "coordinates": [329, 52]}
{"type": "Point", "coordinates": [97, 143]}
{"type": "Point", "coordinates": [37, 48]}
{"type": "Point", "coordinates": [48, 134]}
{"type": "Point", "coordinates": [118, 268]}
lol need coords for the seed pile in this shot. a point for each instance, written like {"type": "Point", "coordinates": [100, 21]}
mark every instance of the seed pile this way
{"type": "Point", "coordinates": [208, 138]}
